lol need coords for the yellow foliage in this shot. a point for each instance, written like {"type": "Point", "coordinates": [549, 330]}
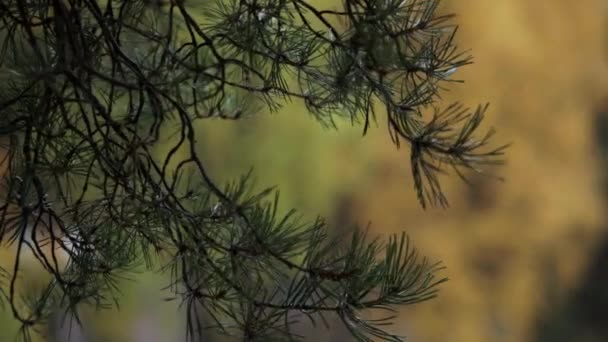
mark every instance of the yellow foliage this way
{"type": "Point", "coordinates": [541, 65]}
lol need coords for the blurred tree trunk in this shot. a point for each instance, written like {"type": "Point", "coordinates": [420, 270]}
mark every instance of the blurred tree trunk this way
{"type": "Point", "coordinates": [582, 314]}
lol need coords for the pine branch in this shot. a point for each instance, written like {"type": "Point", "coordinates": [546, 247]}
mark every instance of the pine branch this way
{"type": "Point", "coordinates": [88, 91]}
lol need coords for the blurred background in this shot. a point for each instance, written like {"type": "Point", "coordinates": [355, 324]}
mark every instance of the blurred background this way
{"type": "Point", "coordinates": [527, 258]}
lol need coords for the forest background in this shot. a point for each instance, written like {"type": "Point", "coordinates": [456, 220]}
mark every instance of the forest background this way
{"type": "Point", "coordinates": [527, 258]}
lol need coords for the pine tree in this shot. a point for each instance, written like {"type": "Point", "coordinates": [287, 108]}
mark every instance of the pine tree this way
{"type": "Point", "coordinates": [92, 91]}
